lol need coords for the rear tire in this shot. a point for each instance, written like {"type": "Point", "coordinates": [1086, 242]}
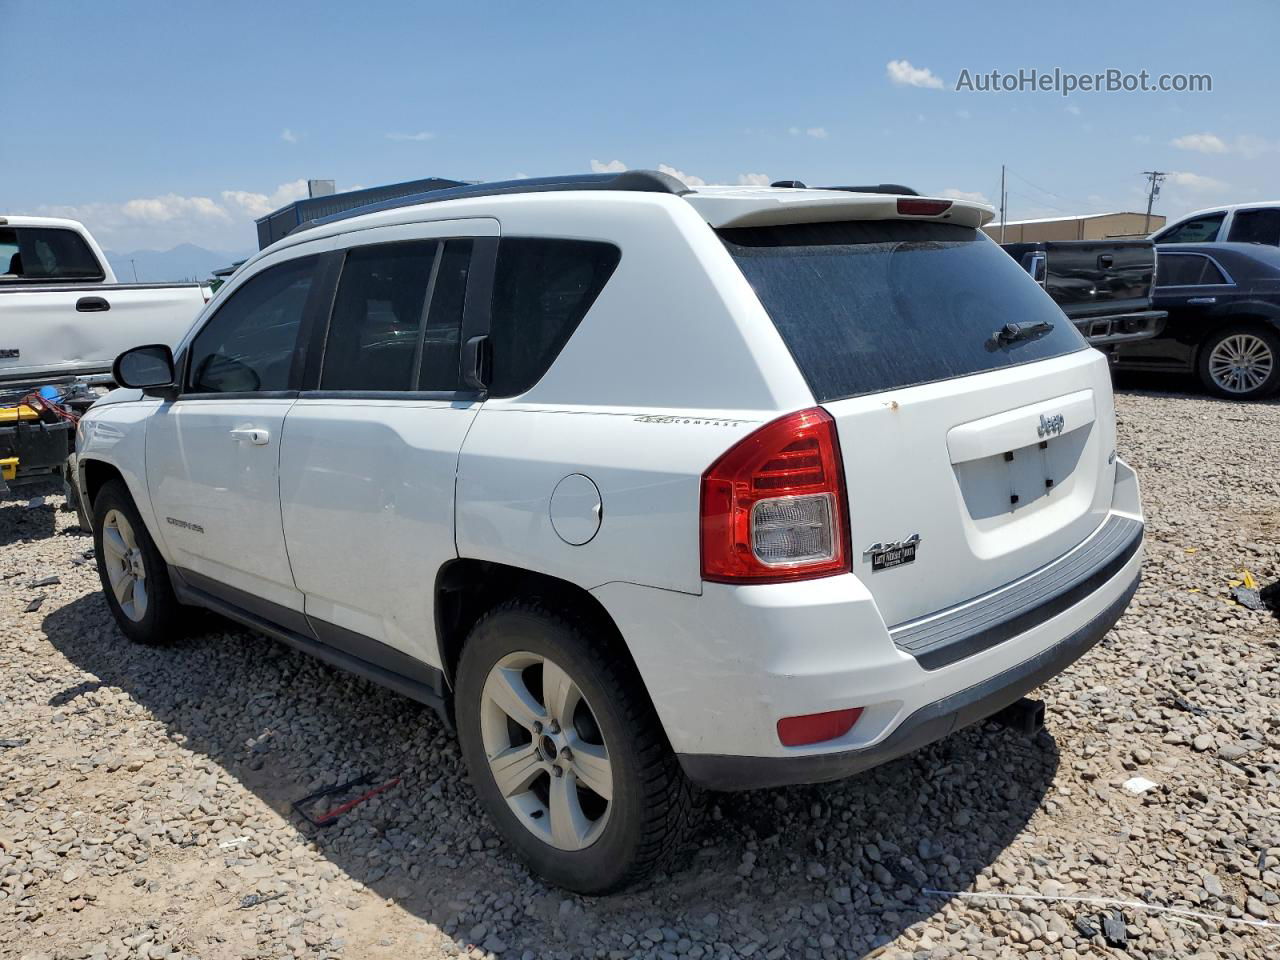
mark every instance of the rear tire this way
{"type": "Point", "coordinates": [1240, 362]}
{"type": "Point", "coordinates": [619, 803]}
{"type": "Point", "coordinates": [135, 578]}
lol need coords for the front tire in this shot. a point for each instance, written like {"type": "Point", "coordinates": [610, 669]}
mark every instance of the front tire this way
{"type": "Point", "coordinates": [135, 578]}
{"type": "Point", "coordinates": [565, 751]}
{"type": "Point", "coordinates": [1240, 363]}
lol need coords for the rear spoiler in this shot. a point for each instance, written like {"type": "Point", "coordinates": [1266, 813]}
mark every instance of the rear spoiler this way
{"type": "Point", "coordinates": [824, 206]}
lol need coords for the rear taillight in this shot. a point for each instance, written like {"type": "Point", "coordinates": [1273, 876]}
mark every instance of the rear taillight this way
{"type": "Point", "coordinates": [773, 507]}
{"type": "Point", "coordinates": [922, 207]}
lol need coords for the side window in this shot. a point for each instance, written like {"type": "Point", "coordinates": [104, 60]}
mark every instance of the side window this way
{"type": "Point", "coordinates": [441, 341]}
{"type": "Point", "coordinates": [1211, 273]}
{"type": "Point", "coordinates": [40, 254]}
{"type": "Point", "coordinates": [1203, 229]}
{"type": "Point", "coordinates": [542, 290]}
{"type": "Point", "coordinates": [375, 328]}
{"type": "Point", "coordinates": [248, 344]}
{"type": "Point", "coordinates": [1256, 226]}
{"type": "Point", "coordinates": [1182, 270]}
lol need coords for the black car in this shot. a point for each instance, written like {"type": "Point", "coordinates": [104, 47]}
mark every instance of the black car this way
{"type": "Point", "coordinates": [1223, 301]}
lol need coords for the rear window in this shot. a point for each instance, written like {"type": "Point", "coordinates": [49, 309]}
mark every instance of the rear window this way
{"type": "Point", "coordinates": [868, 306]}
{"type": "Point", "coordinates": [41, 254]}
{"type": "Point", "coordinates": [1256, 226]}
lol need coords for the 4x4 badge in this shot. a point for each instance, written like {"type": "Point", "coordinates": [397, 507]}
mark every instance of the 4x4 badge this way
{"type": "Point", "coordinates": [885, 556]}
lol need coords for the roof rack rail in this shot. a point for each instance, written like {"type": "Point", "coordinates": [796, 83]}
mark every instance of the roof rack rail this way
{"type": "Point", "coordinates": [635, 181]}
{"type": "Point", "coordinates": [794, 184]}
{"type": "Point", "coordinates": [895, 188]}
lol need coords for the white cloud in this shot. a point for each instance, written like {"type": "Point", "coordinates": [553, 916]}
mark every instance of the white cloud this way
{"type": "Point", "coordinates": [1201, 143]}
{"type": "Point", "coordinates": [971, 195]}
{"type": "Point", "coordinates": [159, 222]}
{"type": "Point", "coordinates": [1073, 110]}
{"type": "Point", "coordinates": [288, 136]}
{"type": "Point", "coordinates": [1195, 181]}
{"type": "Point", "coordinates": [818, 133]}
{"type": "Point", "coordinates": [1246, 144]}
{"type": "Point", "coordinates": [688, 178]}
{"type": "Point", "coordinates": [1140, 138]}
{"type": "Point", "coordinates": [964, 114]}
{"type": "Point", "coordinates": [612, 166]}
{"type": "Point", "coordinates": [171, 206]}
{"type": "Point", "coordinates": [418, 137]}
{"type": "Point", "coordinates": [260, 204]}
{"type": "Point", "coordinates": [903, 74]}
{"type": "Point", "coordinates": [754, 179]}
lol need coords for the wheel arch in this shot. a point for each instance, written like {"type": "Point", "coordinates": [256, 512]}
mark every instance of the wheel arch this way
{"type": "Point", "coordinates": [466, 589]}
{"type": "Point", "coordinates": [1257, 320]}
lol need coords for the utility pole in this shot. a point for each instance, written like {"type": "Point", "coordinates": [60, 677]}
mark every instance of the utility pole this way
{"type": "Point", "coordinates": [1004, 202]}
{"type": "Point", "coordinates": [1154, 178]}
{"type": "Point", "coordinates": [134, 264]}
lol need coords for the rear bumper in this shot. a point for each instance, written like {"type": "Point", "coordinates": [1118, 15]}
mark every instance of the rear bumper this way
{"type": "Point", "coordinates": [927, 724]}
{"type": "Point", "coordinates": [1121, 327]}
{"type": "Point", "coordinates": [722, 668]}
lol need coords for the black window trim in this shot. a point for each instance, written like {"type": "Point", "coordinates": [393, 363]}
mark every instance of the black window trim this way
{"type": "Point", "coordinates": [1228, 281]}
{"type": "Point", "coordinates": [475, 320]}
{"type": "Point", "coordinates": [323, 283]}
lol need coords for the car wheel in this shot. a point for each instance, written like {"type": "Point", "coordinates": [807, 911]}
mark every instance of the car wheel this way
{"type": "Point", "coordinates": [135, 579]}
{"type": "Point", "coordinates": [565, 750]}
{"type": "Point", "coordinates": [1242, 363]}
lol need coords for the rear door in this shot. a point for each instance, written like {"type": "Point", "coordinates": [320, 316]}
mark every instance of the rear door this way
{"type": "Point", "coordinates": [996, 451]}
{"type": "Point", "coordinates": [370, 450]}
{"type": "Point", "coordinates": [213, 454]}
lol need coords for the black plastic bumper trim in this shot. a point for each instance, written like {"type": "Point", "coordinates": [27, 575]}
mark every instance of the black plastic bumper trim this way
{"type": "Point", "coordinates": [931, 722]}
{"type": "Point", "coordinates": [1009, 611]}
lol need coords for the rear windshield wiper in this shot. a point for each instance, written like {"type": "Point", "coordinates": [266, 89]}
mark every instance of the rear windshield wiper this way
{"type": "Point", "coordinates": [1012, 332]}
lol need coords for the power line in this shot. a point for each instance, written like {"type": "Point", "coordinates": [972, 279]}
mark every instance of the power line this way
{"type": "Point", "coordinates": [1069, 200]}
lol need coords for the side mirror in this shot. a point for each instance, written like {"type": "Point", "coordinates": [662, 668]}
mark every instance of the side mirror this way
{"type": "Point", "coordinates": [149, 369]}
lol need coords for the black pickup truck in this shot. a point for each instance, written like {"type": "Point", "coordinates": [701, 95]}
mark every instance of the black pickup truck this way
{"type": "Point", "coordinates": [1103, 286]}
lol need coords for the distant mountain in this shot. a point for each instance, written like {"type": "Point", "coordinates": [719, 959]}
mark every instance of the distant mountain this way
{"type": "Point", "coordinates": [184, 262]}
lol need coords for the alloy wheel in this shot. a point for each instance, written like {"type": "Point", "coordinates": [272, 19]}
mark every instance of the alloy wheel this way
{"type": "Point", "coordinates": [126, 569]}
{"type": "Point", "coordinates": [1241, 363]}
{"type": "Point", "coordinates": [545, 750]}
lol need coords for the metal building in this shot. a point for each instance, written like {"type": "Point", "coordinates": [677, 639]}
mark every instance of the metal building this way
{"type": "Point", "coordinates": [1089, 226]}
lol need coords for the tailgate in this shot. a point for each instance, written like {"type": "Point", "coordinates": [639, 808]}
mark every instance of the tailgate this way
{"type": "Point", "coordinates": [1089, 276]}
{"type": "Point", "coordinates": [976, 427]}
{"type": "Point", "coordinates": [996, 474]}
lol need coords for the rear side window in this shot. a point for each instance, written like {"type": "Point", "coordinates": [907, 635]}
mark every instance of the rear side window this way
{"type": "Point", "coordinates": [1198, 230]}
{"type": "Point", "coordinates": [1186, 270]}
{"type": "Point", "coordinates": [44, 254]}
{"type": "Point", "coordinates": [377, 317]}
{"type": "Point", "coordinates": [1256, 226]}
{"type": "Point", "coordinates": [248, 344]}
{"type": "Point", "coordinates": [866, 306]}
{"type": "Point", "coordinates": [542, 290]}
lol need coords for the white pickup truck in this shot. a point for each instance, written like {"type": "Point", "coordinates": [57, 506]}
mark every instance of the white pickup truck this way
{"type": "Point", "coordinates": [62, 313]}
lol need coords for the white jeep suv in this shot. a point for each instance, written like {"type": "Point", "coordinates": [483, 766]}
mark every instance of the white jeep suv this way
{"type": "Point", "coordinates": [644, 488]}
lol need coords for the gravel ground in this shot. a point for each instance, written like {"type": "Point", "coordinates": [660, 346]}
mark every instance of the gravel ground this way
{"type": "Point", "coordinates": [144, 793]}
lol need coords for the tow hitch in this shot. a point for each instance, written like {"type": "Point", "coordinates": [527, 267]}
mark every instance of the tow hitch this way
{"type": "Point", "coordinates": [1026, 717]}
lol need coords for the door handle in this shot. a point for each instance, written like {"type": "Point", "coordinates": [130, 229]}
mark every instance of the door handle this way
{"type": "Point", "coordinates": [257, 436]}
{"type": "Point", "coordinates": [1202, 300]}
{"type": "Point", "coordinates": [92, 305]}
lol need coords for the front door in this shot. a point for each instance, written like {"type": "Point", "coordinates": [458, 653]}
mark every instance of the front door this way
{"type": "Point", "coordinates": [370, 453]}
{"type": "Point", "coordinates": [213, 454]}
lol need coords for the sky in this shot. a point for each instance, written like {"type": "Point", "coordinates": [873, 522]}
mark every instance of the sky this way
{"type": "Point", "coordinates": [159, 123]}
